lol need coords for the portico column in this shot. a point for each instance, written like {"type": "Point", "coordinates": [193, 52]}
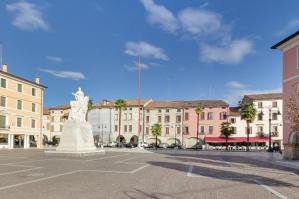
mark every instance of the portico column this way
{"type": "Point", "coordinates": [11, 141]}
{"type": "Point", "coordinates": [26, 141]}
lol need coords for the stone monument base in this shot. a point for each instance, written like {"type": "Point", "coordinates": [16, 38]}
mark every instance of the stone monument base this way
{"type": "Point", "coordinates": [291, 151]}
{"type": "Point", "coordinates": [75, 153]}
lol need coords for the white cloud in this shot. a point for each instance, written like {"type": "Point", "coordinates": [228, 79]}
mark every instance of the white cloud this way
{"type": "Point", "coordinates": [146, 50]}
{"type": "Point", "coordinates": [230, 53]}
{"type": "Point", "coordinates": [235, 85]}
{"type": "Point", "coordinates": [235, 95]}
{"type": "Point", "coordinates": [134, 66]}
{"type": "Point", "coordinates": [291, 25]}
{"type": "Point", "coordinates": [65, 74]}
{"type": "Point", "coordinates": [199, 21]}
{"type": "Point", "coordinates": [27, 16]}
{"type": "Point", "coordinates": [161, 16]}
{"type": "Point", "coordinates": [54, 59]}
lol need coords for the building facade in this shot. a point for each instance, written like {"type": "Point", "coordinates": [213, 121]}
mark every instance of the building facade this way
{"type": "Point", "coordinates": [21, 111]}
{"type": "Point", "coordinates": [53, 120]}
{"type": "Point", "coordinates": [290, 61]}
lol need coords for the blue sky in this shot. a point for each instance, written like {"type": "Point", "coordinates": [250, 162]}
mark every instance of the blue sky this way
{"type": "Point", "coordinates": [189, 49]}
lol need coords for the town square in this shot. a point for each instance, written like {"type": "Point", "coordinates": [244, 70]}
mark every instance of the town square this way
{"type": "Point", "coordinates": [149, 99]}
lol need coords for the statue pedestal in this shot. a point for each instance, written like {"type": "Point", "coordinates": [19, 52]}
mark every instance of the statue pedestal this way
{"type": "Point", "coordinates": [76, 140]}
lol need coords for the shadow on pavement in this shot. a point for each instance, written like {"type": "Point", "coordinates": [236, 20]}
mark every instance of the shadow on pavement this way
{"type": "Point", "coordinates": [222, 174]}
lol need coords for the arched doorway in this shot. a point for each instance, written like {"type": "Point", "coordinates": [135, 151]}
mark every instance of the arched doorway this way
{"type": "Point", "coordinates": [45, 139]}
{"type": "Point", "coordinates": [171, 141]}
{"type": "Point", "coordinates": [121, 139]}
{"type": "Point", "coordinates": [153, 141]}
{"type": "Point", "coordinates": [191, 142]}
{"type": "Point", "coordinates": [134, 140]}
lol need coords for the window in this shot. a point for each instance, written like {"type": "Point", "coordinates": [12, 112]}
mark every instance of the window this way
{"type": "Point", "coordinates": [52, 128]}
{"type": "Point", "coordinates": [274, 116]}
{"type": "Point", "coordinates": [3, 101]}
{"type": "Point", "coordinates": [275, 128]}
{"type": "Point", "coordinates": [250, 130]}
{"type": "Point", "coordinates": [115, 128]}
{"type": "Point", "coordinates": [159, 110]}
{"type": "Point", "coordinates": [130, 116]}
{"type": "Point", "coordinates": [20, 88]}
{"type": "Point", "coordinates": [274, 104]}
{"type": "Point", "coordinates": [202, 129]}
{"type": "Point", "coordinates": [233, 120]}
{"type": "Point", "coordinates": [125, 116]}
{"type": "Point", "coordinates": [210, 116]}
{"type": "Point", "coordinates": [125, 128]}
{"type": "Point", "coordinates": [130, 128]}
{"type": "Point", "coordinates": [167, 130]}
{"type": "Point", "coordinates": [19, 104]}
{"type": "Point", "coordinates": [159, 119]}
{"type": "Point", "coordinates": [33, 123]}
{"type": "Point", "coordinates": [2, 121]}
{"type": "Point", "coordinates": [260, 104]}
{"type": "Point", "coordinates": [178, 130]}
{"type": "Point", "coordinates": [167, 110]}
{"type": "Point", "coordinates": [178, 118]}
{"type": "Point", "coordinates": [147, 118]}
{"type": "Point", "coordinates": [19, 122]}
{"type": "Point", "coordinates": [147, 130]}
{"type": "Point", "coordinates": [3, 83]}
{"type": "Point", "coordinates": [147, 111]}
{"type": "Point", "coordinates": [3, 138]}
{"type": "Point", "coordinates": [202, 116]}
{"type": "Point", "coordinates": [210, 129]}
{"type": "Point", "coordinates": [234, 130]}
{"type": "Point", "coordinates": [260, 129]}
{"type": "Point", "coordinates": [166, 118]}
{"type": "Point", "coordinates": [222, 116]}
{"type": "Point", "coordinates": [178, 110]}
{"type": "Point", "coordinates": [130, 109]}
{"type": "Point", "coordinates": [260, 117]}
{"type": "Point", "coordinates": [186, 130]}
{"type": "Point", "coordinates": [52, 118]}
{"type": "Point", "coordinates": [33, 92]}
{"type": "Point", "coordinates": [33, 107]}
{"type": "Point", "coordinates": [186, 116]}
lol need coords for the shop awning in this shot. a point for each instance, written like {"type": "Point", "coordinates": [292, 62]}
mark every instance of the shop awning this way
{"type": "Point", "coordinates": [235, 139]}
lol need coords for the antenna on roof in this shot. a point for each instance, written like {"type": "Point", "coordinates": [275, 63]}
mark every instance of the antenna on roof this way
{"type": "Point", "coordinates": [1, 53]}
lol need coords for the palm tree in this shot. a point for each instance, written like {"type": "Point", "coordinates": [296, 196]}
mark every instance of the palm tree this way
{"type": "Point", "coordinates": [198, 110]}
{"type": "Point", "coordinates": [120, 104]}
{"type": "Point", "coordinates": [156, 131]}
{"type": "Point", "coordinates": [226, 131]}
{"type": "Point", "coordinates": [90, 105]}
{"type": "Point", "coordinates": [248, 113]}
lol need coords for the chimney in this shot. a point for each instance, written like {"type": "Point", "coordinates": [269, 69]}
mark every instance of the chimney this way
{"type": "Point", "coordinates": [4, 68]}
{"type": "Point", "coordinates": [37, 79]}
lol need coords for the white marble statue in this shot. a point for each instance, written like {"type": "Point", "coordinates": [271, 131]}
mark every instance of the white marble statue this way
{"type": "Point", "coordinates": [79, 106]}
{"type": "Point", "coordinates": [77, 132]}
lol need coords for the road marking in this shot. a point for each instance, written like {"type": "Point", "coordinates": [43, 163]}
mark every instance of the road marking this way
{"type": "Point", "coordinates": [36, 180]}
{"type": "Point", "coordinates": [139, 169]}
{"type": "Point", "coordinates": [19, 171]}
{"type": "Point", "coordinates": [132, 158]}
{"type": "Point", "coordinates": [279, 195]}
{"type": "Point", "coordinates": [102, 158]}
{"type": "Point", "coordinates": [190, 174]}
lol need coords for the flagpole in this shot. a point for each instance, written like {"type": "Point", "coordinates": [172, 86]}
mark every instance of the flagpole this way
{"type": "Point", "coordinates": [139, 105]}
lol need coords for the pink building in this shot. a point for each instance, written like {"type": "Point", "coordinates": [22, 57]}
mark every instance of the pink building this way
{"type": "Point", "coordinates": [290, 49]}
{"type": "Point", "coordinates": [215, 112]}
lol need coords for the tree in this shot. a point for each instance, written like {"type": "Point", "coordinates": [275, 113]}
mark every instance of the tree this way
{"type": "Point", "coordinates": [120, 104]}
{"type": "Point", "coordinates": [248, 113]}
{"type": "Point", "coordinates": [156, 131]}
{"type": "Point", "coordinates": [90, 105]}
{"type": "Point", "coordinates": [198, 110]}
{"type": "Point", "coordinates": [226, 131]}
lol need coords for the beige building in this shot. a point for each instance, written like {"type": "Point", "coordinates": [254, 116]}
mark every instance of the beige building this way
{"type": "Point", "coordinates": [21, 110]}
{"type": "Point", "coordinates": [53, 119]}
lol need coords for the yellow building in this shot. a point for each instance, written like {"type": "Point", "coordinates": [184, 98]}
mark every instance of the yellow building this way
{"type": "Point", "coordinates": [21, 111]}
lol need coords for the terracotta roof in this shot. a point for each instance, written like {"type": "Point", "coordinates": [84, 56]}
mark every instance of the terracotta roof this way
{"type": "Point", "coordinates": [22, 79]}
{"type": "Point", "coordinates": [186, 104]}
{"type": "Point", "coordinates": [129, 102]}
{"type": "Point", "coordinates": [46, 111]}
{"type": "Point", "coordinates": [61, 107]}
{"type": "Point", "coordinates": [234, 111]}
{"type": "Point", "coordinates": [265, 96]}
{"type": "Point", "coordinates": [285, 40]}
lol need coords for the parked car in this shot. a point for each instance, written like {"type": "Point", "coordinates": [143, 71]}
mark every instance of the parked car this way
{"type": "Point", "coordinates": [113, 144]}
{"type": "Point", "coordinates": [144, 145]}
{"type": "Point", "coordinates": [163, 145]}
{"type": "Point", "coordinates": [173, 145]}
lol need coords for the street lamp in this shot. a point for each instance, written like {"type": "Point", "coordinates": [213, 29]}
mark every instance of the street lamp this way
{"type": "Point", "coordinates": [270, 120]}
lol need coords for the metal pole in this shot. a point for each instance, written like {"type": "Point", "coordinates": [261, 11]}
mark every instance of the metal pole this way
{"type": "Point", "coordinates": [175, 135]}
{"type": "Point", "coordinates": [270, 113]}
{"type": "Point", "coordinates": [138, 100]}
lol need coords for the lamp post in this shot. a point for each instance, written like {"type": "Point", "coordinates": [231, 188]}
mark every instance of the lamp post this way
{"type": "Point", "coordinates": [270, 125]}
{"type": "Point", "coordinates": [102, 126]}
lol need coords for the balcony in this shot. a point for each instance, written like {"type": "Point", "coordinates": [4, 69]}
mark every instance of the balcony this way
{"type": "Point", "coordinates": [260, 134]}
{"type": "Point", "coordinates": [275, 134]}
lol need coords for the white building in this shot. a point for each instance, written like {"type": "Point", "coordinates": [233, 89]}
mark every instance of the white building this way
{"type": "Point", "coordinates": [53, 120]}
{"type": "Point", "coordinates": [268, 106]}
